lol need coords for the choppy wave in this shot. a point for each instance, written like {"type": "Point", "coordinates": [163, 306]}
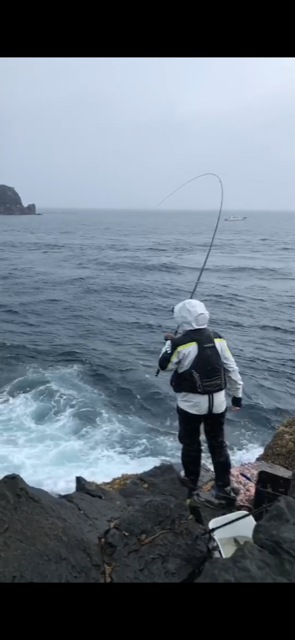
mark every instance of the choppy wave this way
{"type": "Point", "coordinates": [84, 305]}
{"type": "Point", "coordinates": [53, 427]}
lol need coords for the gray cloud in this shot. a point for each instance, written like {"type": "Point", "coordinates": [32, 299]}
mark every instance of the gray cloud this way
{"type": "Point", "coordinates": [124, 132]}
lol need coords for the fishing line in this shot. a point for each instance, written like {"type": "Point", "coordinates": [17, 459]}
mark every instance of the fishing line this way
{"type": "Point", "coordinates": [202, 175]}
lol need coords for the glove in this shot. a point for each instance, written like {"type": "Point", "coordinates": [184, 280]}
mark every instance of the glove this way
{"type": "Point", "coordinates": [169, 336]}
{"type": "Point", "coordinates": [236, 402]}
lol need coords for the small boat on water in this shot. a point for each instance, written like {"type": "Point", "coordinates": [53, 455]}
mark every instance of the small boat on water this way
{"type": "Point", "coordinates": [235, 219]}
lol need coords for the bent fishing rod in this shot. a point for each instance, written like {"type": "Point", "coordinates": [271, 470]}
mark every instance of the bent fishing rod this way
{"type": "Point", "coordinates": [202, 175]}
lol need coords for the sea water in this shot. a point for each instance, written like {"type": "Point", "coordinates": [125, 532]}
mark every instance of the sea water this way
{"type": "Point", "coordinates": [86, 298]}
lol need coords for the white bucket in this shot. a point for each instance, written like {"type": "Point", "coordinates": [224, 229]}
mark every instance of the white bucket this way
{"type": "Point", "coordinates": [234, 534]}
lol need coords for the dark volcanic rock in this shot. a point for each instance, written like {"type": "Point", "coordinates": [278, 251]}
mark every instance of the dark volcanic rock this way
{"type": "Point", "coordinates": [159, 481]}
{"type": "Point", "coordinates": [99, 535]}
{"type": "Point", "coordinates": [155, 541]}
{"type": "Point", "coordinates": [272, 556]}
{"type": "Point", "coordinates": [45, 539]}
{"type": "Point", "coordinates": [292, 486]}
{"type": "Point", "coordinates": [102, 512]}
{"type": "Point", "coordinates": [11, 204]}
{"type": "Point", "coordinates": [281, 448]}
{"type": "Point", "coordinates": [153, 537]}
{"type": "Point", "coordinates": [248, 564]}
{"type": "Point", "coordinates": [140, 532]}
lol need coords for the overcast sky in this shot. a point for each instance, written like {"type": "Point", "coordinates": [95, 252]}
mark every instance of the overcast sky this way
{"type": "Point", "coordinates": [123, 132]}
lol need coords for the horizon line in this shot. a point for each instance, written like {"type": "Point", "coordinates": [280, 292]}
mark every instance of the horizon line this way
{"type": "Point", "coordinates": [144, 209]}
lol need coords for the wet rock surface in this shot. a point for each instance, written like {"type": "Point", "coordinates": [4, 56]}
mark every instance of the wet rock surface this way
{"type": "Point", "coordinates": [134, 529]}
{"type": "Point", "coordinates": [11, 203]}
{"type": "Point", "coordinates": [156, 541]}
{"type": "Point", "coordinates": [45, 539]}
{"type": "Point", "coordinates": [141, 533]}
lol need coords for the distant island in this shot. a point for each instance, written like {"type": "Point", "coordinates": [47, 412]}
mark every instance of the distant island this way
{"type": "Point", "coordinates": [11, 203]}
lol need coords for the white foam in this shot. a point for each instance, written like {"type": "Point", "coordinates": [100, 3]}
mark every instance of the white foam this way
{"type": "Point", "coordinates": [54, 427]}
{"type": "Point", "coordinates": [43, 440]}
{"type": "Point", "coordinates": [248, 454]}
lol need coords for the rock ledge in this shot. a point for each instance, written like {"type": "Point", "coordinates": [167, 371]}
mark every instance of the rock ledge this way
{"type": "Point", "coordinates": [137, 530]}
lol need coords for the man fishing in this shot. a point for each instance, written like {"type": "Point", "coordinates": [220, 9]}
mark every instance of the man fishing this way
{"type": "Point", "coordinates": [202, 364]}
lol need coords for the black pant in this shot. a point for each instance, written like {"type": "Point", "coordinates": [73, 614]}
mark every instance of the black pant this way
{"type": "Point", "coordinates": [189, 437]}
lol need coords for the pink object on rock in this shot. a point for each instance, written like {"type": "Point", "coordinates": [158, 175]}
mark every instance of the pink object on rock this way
{"type": "Point", "coordinates": [246, 487]}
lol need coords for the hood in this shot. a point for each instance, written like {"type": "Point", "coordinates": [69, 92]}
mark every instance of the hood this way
{"type": "Point", "coordinates": [191, 314]}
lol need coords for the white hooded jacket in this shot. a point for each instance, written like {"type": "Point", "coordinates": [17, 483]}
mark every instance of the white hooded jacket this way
{"type": "Point", "coordinates": [189, 315]}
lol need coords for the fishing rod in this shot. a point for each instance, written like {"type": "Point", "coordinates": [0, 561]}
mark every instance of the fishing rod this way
{"type": "Point", "coordinates": [202, 175]}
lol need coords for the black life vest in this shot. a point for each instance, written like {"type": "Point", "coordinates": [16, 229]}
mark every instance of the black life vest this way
{"type": "Point", "coordinates": [206, 374]}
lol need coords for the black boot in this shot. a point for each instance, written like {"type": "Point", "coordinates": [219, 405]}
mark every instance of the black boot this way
{"type": "Point", "coordinates": [189, 484]}
{"type": "Point", "coordinates": [226, 494]}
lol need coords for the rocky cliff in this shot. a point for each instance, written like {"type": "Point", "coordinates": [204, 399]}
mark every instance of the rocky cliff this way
{"type": "Point", "coordinates": [11, 203]}
{"type": "Point", "coordinates": [140, 529]}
